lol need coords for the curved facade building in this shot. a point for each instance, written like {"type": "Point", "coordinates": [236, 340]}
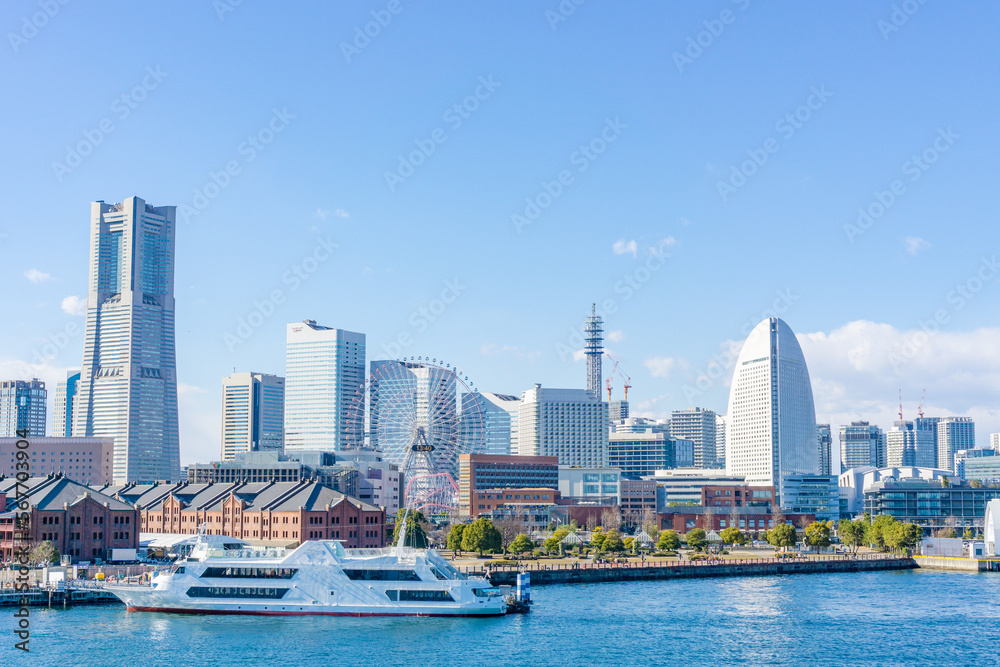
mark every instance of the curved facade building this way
{"type": "Point", "coordinates": [771, 429]}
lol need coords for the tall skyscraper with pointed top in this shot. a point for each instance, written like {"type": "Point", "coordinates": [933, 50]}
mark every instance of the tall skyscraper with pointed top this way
{"type": "Point", "coordinates": [128, 383]}
{"type": "Point", "coordinates": [593, 335]}
{"type": "Point", "coordinates": [771, 429]}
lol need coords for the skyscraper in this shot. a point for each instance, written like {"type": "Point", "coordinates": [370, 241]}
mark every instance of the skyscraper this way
{"type": "Point", "coordinates": [62, 420]}
{"type": "Point", "coordinates": [907, 445]}
{"type": "Point", "coordinates": [571, 424]}
{"type": "Point", "coordinates": [824, 444]}
{"type": "Point", "coordinates": [324, 387]}
{"type": "Point", "coordinates": [496, 416]}
{"type": "Point", "coordinates": [929, 424]}
{"type": "Point", "coordinates": [862, 444]}
{"type": "Point", "coordinates": [698, 426]}
{"type": "Point", "coordinates": [594, 350]}
{"type": "Point", "coordinates": [128, 382]}
{"type": "Point", "coordinates": [954, 434]}
{"type": "Point", "coordinates": [22, 407]}
{"type": "Point", "coordinates": [771, 427]}
{"type": "Point", "coordinates": [720, 441]}
{"type": "Point", "coordinates": [995, 441]}
{"type": "Point", "coordinates": [253, 414]}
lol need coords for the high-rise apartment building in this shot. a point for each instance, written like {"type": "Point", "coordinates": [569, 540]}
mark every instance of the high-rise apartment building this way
{"type": "Point", "coordinates": [771, 428]}
{"type": "Point", "coordinates": [954, 434]}
{"type": "Point", "coordinates": [253, 414]}
{"type": "Point", "coordinates": [824, 444]}
{"type": "Point", "coordinates": [128, 382]}
{"type": "Point", "coordinates": [617, 411]}
{"type": "Point", "coordinates": [22, 407]}
{"type": "Point", "coordinates": [490, 422]}
{"type": "Point", "coordinates": [995, 441]}
{"type": "Point", "coordinates": [642, 453]}
{"type": "Point", "coordinates": [324, 387]}
{"type": "Point", "coordinates": [570, 424]}
{"type": "Point", "coordinates": [929, 424]}
{"type": "Point", "coordinates": [862, 444]}
{"type": "Point", "coordinates": [698, 426]}
{"type": "Point", "coordinates": [907, 445]}
{"type": "Point", "coordinates": [720, 441]}
{"type": "Point", "coordinates": [62, 420]}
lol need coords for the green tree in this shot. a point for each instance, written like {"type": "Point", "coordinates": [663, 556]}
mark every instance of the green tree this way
{"type": "Point", "coordinates": [613, 542]}
{"type": "Point", "coordinates": [629, 544]}
{"type": "Point", "coordinates": [852, 534]}
{"type": "Point", "coordinates": [732, 535]}
{"type": "Point", "coordinates": [44, 553]}
{"type": "Point", "coordinates": [877, 530]}
{"type": "Point", "coordinates": [818, 534]}
{"type": "Point", "coordinates": [416, 536]}
{"type": "Point", "coordinates": [597, 539]}
{"type": "Point", "coordinates": [551, 545]}
{"type": "Point", "coordinates": [968, 535]}
{"type": "Point", "coordinates": [696, 539]}
{"type": "Point", "coordinates": [455, 537]}
{"type": "Point", "coordinates": [481, 536]}
{"type": "Point", "coordinates": [912, 534]}
{"type": "Point", "coordinates": [669, 541]}
{"type": "Point", "coordinates": [946, 532]}
{"type": "Point", "coordinates": [521, 544]}
{"type": "Point", "coordinates": [782, 536]}
{"type": "Point", "coordinates": [976, 484]}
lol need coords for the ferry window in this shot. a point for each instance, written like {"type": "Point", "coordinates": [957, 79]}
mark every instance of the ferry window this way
{"type": "Point", "coordinates": [425, 596]}
{"type": "Point", "coordinates": [437, 573]}
{"type": "Point", "coordinates": [236, 592]}
{"type": "Point", "coordinates": [382, 575]}
{"type": "Point", "coordinates": [392, 595]}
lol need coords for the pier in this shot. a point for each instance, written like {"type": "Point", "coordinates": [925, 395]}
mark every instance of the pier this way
{"type": "Point", "coordinates": [588, 573]}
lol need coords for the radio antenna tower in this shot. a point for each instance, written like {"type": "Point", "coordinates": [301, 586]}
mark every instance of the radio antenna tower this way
{"type": "Point", "coordinates": [594, 349]}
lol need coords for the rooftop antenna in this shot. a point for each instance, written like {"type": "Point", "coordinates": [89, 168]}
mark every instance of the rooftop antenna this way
{"type": "Point", "coordinates": [920, 408]}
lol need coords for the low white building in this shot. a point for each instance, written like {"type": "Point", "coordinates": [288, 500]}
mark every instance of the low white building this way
{"type": "Point", "coordinates": [854, 481]}
{"type": "Point", "coordinates": [596, 485]}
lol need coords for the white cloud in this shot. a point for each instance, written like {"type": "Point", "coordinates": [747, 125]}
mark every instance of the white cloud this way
{"type": "Point", "coordinates": [661, 367]}
{"type": "Point", "coordinates": [36, 276]}
{"type": "Point", "coordinates": [914, 244]}
{"type": "Point", "coordinates": [858, 369]}
{"type": "Point", "coordinates": [616, 336]}
{"type": "Point", "coordinates": [663, 244]}
{"type": "Point", "coordinates": [621, 247]}
{"type": "Point", "coordinates": [579, 355]}
{"type": "Point", "coordinates": [367, 271]}
{"type": "Point", "coordinates": [74, 305]}
{"type": "Point", "coordinates": [341, 213]}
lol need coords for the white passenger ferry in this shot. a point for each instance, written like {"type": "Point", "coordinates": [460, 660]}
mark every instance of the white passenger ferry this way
{"type": "Point", "coordinates": [318, 577]}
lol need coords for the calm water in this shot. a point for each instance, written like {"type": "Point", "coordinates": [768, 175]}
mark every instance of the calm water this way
{"type": "Point", "coordinates": [891, 618]}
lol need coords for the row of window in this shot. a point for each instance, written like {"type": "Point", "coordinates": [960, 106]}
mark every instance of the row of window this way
{"type": "Point", "coordinates": [382, 575]}
{"type": "Point", "coordinates": [249, 572]}
{"type": "Point", "coordinates": [419, 596]}
{"type": "Point", "coordinates": [254, 592]}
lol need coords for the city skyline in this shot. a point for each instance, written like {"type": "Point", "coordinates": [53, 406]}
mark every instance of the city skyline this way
{"type": "Point", "coordinates": [434, 264]}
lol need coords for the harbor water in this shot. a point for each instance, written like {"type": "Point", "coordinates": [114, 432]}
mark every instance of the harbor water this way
{"type": "Point", "coordinates": [911, 617]}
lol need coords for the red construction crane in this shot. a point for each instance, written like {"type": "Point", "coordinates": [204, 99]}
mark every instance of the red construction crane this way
{"type": "Point", "coordinates": [617, 369]}
{"type": "Point", "coordinates": [920, 408]}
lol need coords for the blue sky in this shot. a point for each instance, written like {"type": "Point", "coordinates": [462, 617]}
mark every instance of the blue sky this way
{"type": "Point", "coordinates": [644, 125]}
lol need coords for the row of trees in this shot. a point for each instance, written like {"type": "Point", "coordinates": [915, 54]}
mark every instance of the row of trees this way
{"type": "Point", "coordinates": [884, 532]}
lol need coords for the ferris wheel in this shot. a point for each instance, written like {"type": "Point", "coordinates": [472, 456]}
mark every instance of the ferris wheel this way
{"type": "Point", "coordinates": [422, 414]}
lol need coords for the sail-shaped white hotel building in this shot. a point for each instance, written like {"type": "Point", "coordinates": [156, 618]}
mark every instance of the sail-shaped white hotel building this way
{"type": "Point", "coordinates": [771, 430]}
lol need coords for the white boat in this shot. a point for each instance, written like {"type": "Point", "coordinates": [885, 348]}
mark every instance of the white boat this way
{"type": "Point", "coordinates": [315, 578]}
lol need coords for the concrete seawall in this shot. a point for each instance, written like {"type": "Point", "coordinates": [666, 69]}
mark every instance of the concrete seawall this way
{"type": "Point", "coordinates": [750, 568]}
{"type": "Point", "coordinates": [958, 564]}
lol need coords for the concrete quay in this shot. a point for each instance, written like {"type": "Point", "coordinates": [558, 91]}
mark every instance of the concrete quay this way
{"type": "Point", "coordinates": [959, 564]}
{"type": "Point", "coordinates": [587, 573]}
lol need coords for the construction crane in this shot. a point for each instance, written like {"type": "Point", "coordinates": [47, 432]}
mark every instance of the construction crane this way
{"type": "Point", "coordinates": [920, 408]}
{"type": "Point", "coordinates": [900, 405]}
{"type": "Point", "coordinates": [617, 369]}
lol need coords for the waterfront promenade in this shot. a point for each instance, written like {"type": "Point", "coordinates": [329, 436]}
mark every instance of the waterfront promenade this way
{"type": "Point", "coordinates": [568, 573]}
